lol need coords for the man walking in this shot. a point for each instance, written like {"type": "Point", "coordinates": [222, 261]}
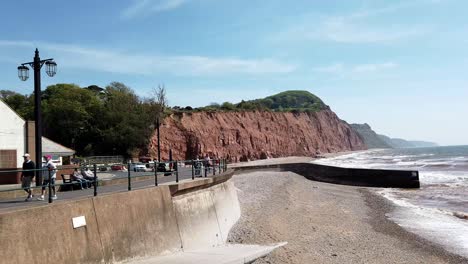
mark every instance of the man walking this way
{"type": "Point", "coordinates": [49, 175]}
{"type": "Point", "coordinates": [27, 175]}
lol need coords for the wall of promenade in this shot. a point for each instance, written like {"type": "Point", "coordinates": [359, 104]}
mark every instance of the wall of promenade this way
{"type": "Point", "coordinates": [147, 222]}
{"type": "Point", "coordinates": [153, 221]}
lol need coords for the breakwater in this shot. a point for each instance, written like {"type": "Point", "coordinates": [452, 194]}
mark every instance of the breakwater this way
{"type": "Point", "coordinates": [346, 176]}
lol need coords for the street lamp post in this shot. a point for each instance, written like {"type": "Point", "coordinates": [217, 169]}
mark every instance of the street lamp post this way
{"type": "Point", "coordinates": [159, 145]}
{"type": "Point", "coordinates": [23, 74]}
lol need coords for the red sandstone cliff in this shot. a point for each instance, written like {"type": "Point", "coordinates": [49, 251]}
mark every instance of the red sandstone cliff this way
{"type": "Point", "coordinates": [252, 135]}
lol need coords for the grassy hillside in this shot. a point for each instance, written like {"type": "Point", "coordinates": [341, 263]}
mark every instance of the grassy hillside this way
{"type": "Point", "coordinates": [288, 101]}
{"type": "Point", "coordinates": [292, 100]}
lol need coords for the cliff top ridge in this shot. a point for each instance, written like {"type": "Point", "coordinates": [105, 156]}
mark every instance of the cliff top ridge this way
{"type": "Point", "coordinates": [287, 101]}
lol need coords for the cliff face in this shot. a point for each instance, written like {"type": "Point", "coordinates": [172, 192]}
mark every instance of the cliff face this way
{"type": "Point", "coordinates": [370, 138]}
{"type": "Point", "coordinates": [374, 140]}
{"type": "Point", "coordinates": [253, 135]}
{"type": "Point", "coordinates": [402, 143]}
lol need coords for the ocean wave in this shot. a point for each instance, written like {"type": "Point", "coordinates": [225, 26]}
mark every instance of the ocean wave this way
{"type": "Point", "coordinates": [369, 160]}
{"type": "Point", "coordinates": [395, 198]}
{"type": "Point", "coordinates": [443, 177]}
{"type": "Point", "coordinates": [447, 228]}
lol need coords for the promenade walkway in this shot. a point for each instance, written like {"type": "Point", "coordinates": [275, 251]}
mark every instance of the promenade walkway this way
{"type": "Point", "coordinates": [12, 204]}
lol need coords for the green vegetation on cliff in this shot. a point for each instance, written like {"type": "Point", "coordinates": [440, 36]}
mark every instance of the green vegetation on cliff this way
{"type": "Point", "coordinates": [292, 100]}
{"type": "Point", "coordinates": [288, 101]}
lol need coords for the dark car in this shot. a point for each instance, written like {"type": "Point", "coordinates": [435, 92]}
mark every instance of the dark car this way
{"type": "Point", "coordinates": [165, 167]}
{"type": "Point", "coordinates": [162, 167]}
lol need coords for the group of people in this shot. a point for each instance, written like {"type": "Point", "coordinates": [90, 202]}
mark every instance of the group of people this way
{"type": "Point", "coordinates": [206, 162]}
{"type": "Point", "coordinates": [85, 177]}
{"type": "Point", "coordinates": [49, 175]}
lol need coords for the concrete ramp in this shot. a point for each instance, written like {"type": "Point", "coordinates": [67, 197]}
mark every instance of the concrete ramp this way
{"type": "Point", "coordinates": [228, 254]}
{"type": "Point", "coordinates": [205, 216]}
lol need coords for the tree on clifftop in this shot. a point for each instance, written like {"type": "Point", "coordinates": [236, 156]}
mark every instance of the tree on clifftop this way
{"type": "Point", "coordinates": [155, 107]}
{"type": "Point", "coordinates": [22, 104]}
{"type": "Point", "coordinates": [70, 115]}
{"type": "Point", "coordinates": [123, 124]}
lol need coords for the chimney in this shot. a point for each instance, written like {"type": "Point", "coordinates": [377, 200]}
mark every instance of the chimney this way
{"type": "Point", "coordinates": [31, 139]}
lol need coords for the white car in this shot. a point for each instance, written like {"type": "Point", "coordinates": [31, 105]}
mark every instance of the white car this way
{"type": "Point", "coordinates": [139, 167]}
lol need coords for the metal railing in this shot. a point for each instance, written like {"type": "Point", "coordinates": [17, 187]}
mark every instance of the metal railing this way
{"type": "Point", "coordinates": [91, 160]}
{"type": "Point", "coordinates": [194, 168]}
{"type": "Point", "coordinates": [166, 171]}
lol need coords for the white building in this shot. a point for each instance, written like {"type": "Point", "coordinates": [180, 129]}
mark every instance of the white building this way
{"type": "Point", "coordinates": [17, 137]}
{"type": "Point", "coordinates": [12, 137]}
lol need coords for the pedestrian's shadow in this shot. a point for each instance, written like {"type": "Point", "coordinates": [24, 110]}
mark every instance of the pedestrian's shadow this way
{"type": "Point", "coordinates": [12, 202]}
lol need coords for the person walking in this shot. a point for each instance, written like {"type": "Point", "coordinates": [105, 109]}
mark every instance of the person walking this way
{"type": "Point", "coordinates": [48, 169]}
{"type": "Point", "coordinates": [27, 175]}
{"type": "Point", "coordinates": [197, 167]}
{"type": "Point", "coordinates": [207, 162]}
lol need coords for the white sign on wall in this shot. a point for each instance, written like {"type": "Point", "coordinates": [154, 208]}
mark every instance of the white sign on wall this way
{"type": "Point", "coordinates": [79, 221]}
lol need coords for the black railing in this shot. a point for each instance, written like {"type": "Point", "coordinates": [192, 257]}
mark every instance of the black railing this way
{"type": "Point", "coordinates": [161, 171]}
{"type": "Point", "coordinates": [192, 168]}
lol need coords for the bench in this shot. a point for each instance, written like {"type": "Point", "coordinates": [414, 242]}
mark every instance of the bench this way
{"type": "Point", "coordinates": [69, 182]}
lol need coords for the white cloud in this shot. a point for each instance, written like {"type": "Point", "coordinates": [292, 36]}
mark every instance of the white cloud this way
{"type": "Point", "coordinates": [373, 67]}
{"type": "Point", "coordinates": [341, 69]}
{"type": "Point", "coordinates": [343, 31]}
{"type": "Point", "coordinates": [73, 56]}
{"type": "Point", "coordinates": [334, 68]}
{"type": "Point", "coordinates": [146, 7]}
{"type": "Point", "coordinates": [361, 26]}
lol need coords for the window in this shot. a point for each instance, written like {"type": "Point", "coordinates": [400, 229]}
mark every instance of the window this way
{"type": "Point", "coordinates": [8, 158]}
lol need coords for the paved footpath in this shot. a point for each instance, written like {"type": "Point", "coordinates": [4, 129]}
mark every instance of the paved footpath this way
{"type": "Point", "coordinates": [7, 205]}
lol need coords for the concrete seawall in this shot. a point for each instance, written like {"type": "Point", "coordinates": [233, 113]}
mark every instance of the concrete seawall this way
{"type": "Point", "coordinates": [148, 222]}
{"type": "Point", "coordinates": [206, 216]}
{"type": "Point", "coordinates": [346, 176]}
{"type": "Point", "coordinates": [154, 221]}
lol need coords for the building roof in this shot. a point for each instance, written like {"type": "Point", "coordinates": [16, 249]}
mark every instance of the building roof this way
{"type": "Point", "coordinates": [52, 148]}
{"type": "Point", "coordinates": [14, 112]}
{"type": "Point", "coordinates": [49, 147]}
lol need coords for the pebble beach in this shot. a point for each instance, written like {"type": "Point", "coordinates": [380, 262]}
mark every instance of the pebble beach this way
{"type": "Point", "coordinates": [324, 223]}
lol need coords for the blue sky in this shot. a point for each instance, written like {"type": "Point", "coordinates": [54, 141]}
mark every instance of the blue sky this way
{"type": "Point", "coordinates": [400, 66]}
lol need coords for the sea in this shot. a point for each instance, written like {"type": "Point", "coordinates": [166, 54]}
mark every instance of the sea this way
{"type": "Point", "coordinates": [438, 211]}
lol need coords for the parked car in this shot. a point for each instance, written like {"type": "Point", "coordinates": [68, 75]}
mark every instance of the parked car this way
{"type": "Point", "coordinates": [150, 166]}
{"type": "Point", "coordinates": [165, 167]}
{"type": "Point", "coordinates": [102, 167]}
{"type": "Point", "coordinates": [138, 167]}
{"type": "Point", "coordinates": [117, 167]}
